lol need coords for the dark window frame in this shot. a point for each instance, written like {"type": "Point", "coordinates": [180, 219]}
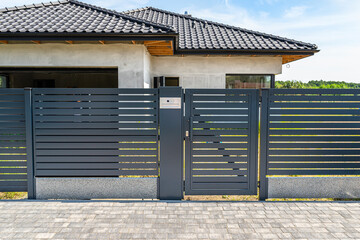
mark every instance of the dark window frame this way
{"type": "Point", "coordinates": [161, 81]}
{"type": "Point", "coordinates": [173, 79]}
{"type": "Point", "coordinates": [9, 72]}
{"type": "Point", "coordinates": [6, 77]}
{"type": "Point", "coordinates": [272, 77]}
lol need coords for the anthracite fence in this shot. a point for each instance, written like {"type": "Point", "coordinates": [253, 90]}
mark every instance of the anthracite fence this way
{"type": "Point", "coordinates": [89, 133]}
{"type": "Point", "coordinates": [95, 132]}
{"type": "Point", "coordinates": [310, 132]}
{"type": "Point", "coordinates": [13, 170]}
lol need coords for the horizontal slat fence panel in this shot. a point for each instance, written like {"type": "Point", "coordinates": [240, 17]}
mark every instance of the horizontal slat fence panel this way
{"type": "Point", "coordinates": [13, 170]}
{"type": "Point", "coordinates": [221, 152]}
{"type": "Point", "coordinates": [96, 132]}
{"type": "Point", "coordinates": [313, 132]}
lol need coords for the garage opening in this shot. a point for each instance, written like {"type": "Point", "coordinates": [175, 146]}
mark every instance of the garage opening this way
{"type": "Point", "coordinates": [14, 77]}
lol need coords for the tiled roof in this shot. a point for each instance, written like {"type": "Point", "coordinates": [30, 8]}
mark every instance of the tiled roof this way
{"type": "Point", "coordinates": [71, 16]}
{"type": "Point", "coordinates": [199, 34]}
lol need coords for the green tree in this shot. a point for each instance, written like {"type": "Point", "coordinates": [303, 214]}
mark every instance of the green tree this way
{"type": "Point", "coordinates": [315, 84]}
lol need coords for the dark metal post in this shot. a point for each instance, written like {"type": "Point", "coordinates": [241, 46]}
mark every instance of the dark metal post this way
{"type": "Point", "coordinates": [29, 143]}
{"type": "Point", "coordinates": [264, 128]}
{"type": "Point", "coordinates": [254, 138]}
{"type": "Point", "coordinates": [188, 126]}
{"type": "Point", "coordinates": [171, 143]}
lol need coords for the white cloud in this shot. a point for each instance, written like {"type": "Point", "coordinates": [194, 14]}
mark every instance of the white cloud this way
{"type": "Point", "coordinates": [330, 64]}
{"type": "Point", "coordinates": [335, 32]}
{"type": "Point", "coordinates": [295, 11]}
{"type": "Point", "coordinates": [264, 14]}
{"type": "Point", "coordinates": [270, 2]}
{"type": "Point", "coordinates": [227, 3]}
{"type": "Point", "coordinates": [224, 17]}
{"type": "Point", "coordinates": [231, 15]}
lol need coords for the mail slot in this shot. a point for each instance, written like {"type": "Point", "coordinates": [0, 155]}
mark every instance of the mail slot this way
{"type": "Point", "coordinates": [170, 103]}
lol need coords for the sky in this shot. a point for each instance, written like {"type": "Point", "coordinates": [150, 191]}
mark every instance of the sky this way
{"type": "Point", "coordinates": [333, 25]}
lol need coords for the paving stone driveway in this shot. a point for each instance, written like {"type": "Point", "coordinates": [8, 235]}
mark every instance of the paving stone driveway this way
{"type": "Point", "coordinates": [178, 220]}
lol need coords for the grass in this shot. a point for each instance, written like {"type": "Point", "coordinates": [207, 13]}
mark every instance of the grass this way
{"type": "Point", "coordinates": [221, 198]}
{"type": "Point", "coordinates": [23, 195]}
{"type": "Point", "coordinates": [313, 199]}
{"type": "Point", "coordinates": [13, 195]}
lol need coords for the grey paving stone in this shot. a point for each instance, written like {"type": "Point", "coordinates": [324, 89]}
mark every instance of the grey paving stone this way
{"type": "Point", "coordinates": [178, 220]}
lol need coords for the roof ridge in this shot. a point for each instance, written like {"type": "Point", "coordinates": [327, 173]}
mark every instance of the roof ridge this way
{"type": "Point", "coordinates": [109, 11]}
{"type": "Point", "coordinates": [225, 25]}
{"type": "Point", "coordinates": [42, 4]}
{"type": "Point", "coordinates": [79, 3]}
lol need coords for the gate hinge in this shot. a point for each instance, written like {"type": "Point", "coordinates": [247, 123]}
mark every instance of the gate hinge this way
{"type": "Point", "coordinates": [184, 186]}
{"type": "Point", "coordinates": [258, 184]}
{"type": "Point", "coordinates": [260, 98]}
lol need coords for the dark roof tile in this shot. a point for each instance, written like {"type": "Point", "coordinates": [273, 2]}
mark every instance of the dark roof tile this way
{"type": "Point", "coordinates": [216, 35]}
{"type": "Point", "coordinates": [73, 16]}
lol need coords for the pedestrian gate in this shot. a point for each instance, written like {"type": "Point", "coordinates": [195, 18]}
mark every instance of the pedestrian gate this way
{"type": "Point", "coordinates": [221, 141]}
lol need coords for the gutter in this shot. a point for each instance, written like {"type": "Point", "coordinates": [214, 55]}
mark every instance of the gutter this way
{"type": "Point", "coordinates": [246, 52]}
{"type": "Point", "coordinates": [56, 36]}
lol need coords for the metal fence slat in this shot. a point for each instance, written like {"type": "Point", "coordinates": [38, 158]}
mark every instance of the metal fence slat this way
{"type": "Point", "coordinates": [222, 144]}
{"type": "Point", "coordinates": [94, 159]}
{"type": "Point", "coordinates": [311, 132]}
{"type": "Point", "coordinates": [95, 132]}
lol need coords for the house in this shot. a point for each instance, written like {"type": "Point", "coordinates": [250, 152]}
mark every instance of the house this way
{"type": "Point", "coordinates": [71, 44]}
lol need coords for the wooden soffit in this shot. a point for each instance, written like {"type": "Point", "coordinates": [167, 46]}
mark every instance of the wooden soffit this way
{"type": "Point", "coordinates": [160, 48]}
{"type": "Point", "coordinates": [290, 58]}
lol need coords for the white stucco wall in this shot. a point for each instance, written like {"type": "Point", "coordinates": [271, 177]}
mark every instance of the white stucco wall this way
{"type": "Point", "coordinates": [129, 59]}
{"type": "Point", "coordinates": [210, 72]}
{"type": "Point", "coordinates": [147, 69]}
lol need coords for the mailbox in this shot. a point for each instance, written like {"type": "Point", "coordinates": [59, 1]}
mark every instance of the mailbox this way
{"type": "Point", "coordinates": [170, 103]}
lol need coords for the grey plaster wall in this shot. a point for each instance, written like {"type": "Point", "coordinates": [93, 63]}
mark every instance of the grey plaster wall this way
{"type": "Point", "coordinates": [128, 58]}
{"type": "Point", "coordinates": [136, 67]}
{"type": "Point", "coordinates": [96, 188]}
{"type": "Point", "coordinates": [314, 187]}
{"type": "Point", "coordinates": [210, 72]}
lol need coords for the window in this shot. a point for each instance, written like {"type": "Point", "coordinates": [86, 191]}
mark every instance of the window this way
{"type": "Point", "coordinates": [3, 80]}
{"type": "Point", "coordinates": [249, 81]}
{"type": "Point", "coordinates": [57, 77]}
{"type": "Point", "coordinates": [172, 81]}
{"type": "Point", "coordinates": [166, 81]}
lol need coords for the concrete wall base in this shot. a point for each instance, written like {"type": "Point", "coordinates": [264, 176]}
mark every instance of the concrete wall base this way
{"type": "Point", "coordinates": [96, 188]}
{"type": "Point", "coordinates": [314, 187]}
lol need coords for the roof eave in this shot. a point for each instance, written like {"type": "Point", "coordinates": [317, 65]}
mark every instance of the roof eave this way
{"type": "Point", "coordinates": [247, 52]}
{"type": "Point", "coordinates": [55, 36]}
